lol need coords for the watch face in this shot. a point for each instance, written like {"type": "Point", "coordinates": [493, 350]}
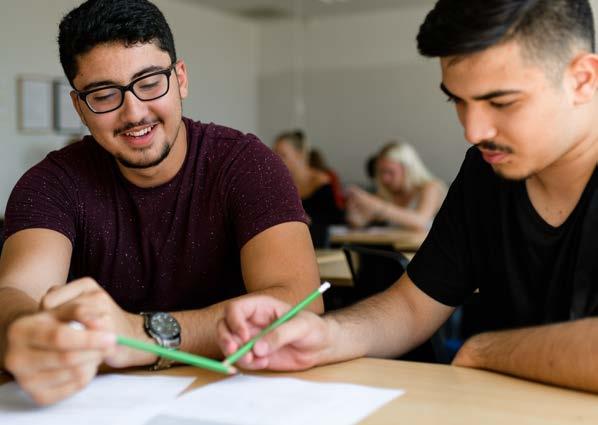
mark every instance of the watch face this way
{"type": "Point", "coordinates": [165, 325]}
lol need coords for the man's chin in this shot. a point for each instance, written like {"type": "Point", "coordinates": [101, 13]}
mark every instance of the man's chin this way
{"type": "Point", "coordinates": [145, 162]}
{"type": "Point", "coordinates": [510, 174]}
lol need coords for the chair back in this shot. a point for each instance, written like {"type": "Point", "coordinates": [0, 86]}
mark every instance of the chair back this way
{"type": "Point", "coordinates": [373, 269]}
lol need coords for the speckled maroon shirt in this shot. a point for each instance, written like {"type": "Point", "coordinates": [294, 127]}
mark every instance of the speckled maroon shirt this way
{"type": "Point", "coordinates": [171, 247]}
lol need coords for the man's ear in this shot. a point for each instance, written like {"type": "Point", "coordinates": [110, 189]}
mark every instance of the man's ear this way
{"type": "Point", "coordinates": [181, 75]}
{"type": "Point", "coordinates": [582, 78]}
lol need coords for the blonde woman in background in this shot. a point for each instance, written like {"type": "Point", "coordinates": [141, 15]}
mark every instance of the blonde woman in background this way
{"type": "Point", "coordinates": [408, 195]}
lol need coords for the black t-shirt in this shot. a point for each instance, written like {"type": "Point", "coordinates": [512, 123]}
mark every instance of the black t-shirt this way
{"type": "Point", "coordinates": [488, 235]}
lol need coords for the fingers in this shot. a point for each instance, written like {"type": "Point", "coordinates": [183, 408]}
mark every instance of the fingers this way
{"type": "Point", "coordinates": [51, 360]}
{"type": "Point", "coordinates": [91, 309]}
{"type": "Point", "coordinates": [58, 295]}
{"type": "Point", "coordinates": [260, 311]}
{"type": "Point", "coordinates": [48, 387]}
{"type": "Point", "coordinates": [62, 337]}
{"type": "Point", "coordinates": [289, 333]}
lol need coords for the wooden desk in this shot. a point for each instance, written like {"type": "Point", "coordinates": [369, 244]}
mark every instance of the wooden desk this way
{"type": "Point", "coordinates": [400, 239]}
{"type": "Point", "coordinates": [333, 267]}
{"type": "Point", "coordinates": [440, 394]}
{"type": "Point", "coordinates": [447, 395]}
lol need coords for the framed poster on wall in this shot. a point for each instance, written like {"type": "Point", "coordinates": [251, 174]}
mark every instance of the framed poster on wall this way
{"type": "Point", "coordinates": [35, 104]}
{"type": "Point", "coordinates": [66, 120]}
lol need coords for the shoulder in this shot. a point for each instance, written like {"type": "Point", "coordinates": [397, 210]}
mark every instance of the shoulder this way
{"type": "Point", "coordinates": [218, 137]}
{"type": "Point", "coordinates": [75, 160]}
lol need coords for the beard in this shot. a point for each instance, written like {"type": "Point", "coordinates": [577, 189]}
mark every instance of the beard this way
{"type": "Point", "coordinates": [146, 162]}
{"type": "Point", "coordinates": [150, 162]}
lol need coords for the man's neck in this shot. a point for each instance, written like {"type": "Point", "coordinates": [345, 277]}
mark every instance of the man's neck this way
{"type": "Point", "coordinates": [556, 190]}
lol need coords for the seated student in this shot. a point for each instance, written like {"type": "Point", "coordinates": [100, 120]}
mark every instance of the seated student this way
{"type": "Point", "coordinates": [408, 194]}
{"type": "Point", "coordinates": [314, 186]}
{"type": "Point", "coordinates": [151, 213]}
{"type": "Point", "coordinates": [316, 160]}
{"type": "Point", "coordinates": [520, 221]}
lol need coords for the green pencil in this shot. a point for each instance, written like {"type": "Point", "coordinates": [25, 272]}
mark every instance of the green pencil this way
{"type": "Point", "coordinates": [233, 358]}
{"type": "Point", "coordinates": [180, 356]}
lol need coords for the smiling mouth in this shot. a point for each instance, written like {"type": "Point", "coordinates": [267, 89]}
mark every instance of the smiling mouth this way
{"type": "Point", "coordinates": [139, 133]}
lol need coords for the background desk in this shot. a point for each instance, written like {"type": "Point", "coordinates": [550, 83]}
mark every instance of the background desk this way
{"type": "Point", "coordinates": [333, 267]}
{"type": "Point", "coordinates": [444, 395]}
{"type": "Point", "coordinates": [400, 239]}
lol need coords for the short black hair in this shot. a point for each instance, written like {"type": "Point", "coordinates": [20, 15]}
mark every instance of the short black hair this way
{"type": "Point", "coordinates": [547, 29]}
{"type": "Point", "coordinates": [97, 22]}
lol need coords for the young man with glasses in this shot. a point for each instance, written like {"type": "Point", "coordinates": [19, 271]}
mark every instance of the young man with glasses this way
{"type": "Point", "coordinates": [520, 221]}
{"type": "Point", "coordinates": [153, 213]}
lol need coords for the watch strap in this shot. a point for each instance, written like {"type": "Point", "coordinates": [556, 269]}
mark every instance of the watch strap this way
{"type": "Point", "coordinates": [161, 363]}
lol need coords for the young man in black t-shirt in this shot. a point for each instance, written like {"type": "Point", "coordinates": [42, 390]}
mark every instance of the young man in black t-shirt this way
{"type": "Point", "coordinates": [520, 221]}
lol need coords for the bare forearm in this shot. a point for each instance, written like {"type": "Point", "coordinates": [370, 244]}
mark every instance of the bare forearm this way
{"type": "Point", "coordinates": [564, 354]}
{"type": "Point", "coordinates": [386, 325]}
{"type": "Point", "coordinates": [403, 216]}
{"type": "Point", "coordinates": [13, 304]}
{"type": "Point", "coordinates": [199, 326]}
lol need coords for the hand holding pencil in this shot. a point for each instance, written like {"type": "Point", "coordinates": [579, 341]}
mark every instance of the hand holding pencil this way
{"type": "Point", "coordinates": [293, 345]}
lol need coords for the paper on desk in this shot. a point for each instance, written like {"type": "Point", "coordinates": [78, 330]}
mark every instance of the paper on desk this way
{"type": "Point", "coordinates": [113, 399]}
{"type": "Point", "coordinates": [249, 400]}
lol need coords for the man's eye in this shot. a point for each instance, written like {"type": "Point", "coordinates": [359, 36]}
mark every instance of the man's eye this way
{"type": "Point", "coordinates": [452, 99]}
{"type": "Point", "coordinates": [103, 98]}
{"type": "Point", "coordinates": [499, 105]}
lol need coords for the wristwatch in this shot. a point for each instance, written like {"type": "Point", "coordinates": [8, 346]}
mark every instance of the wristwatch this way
{"type": "Point", "coordinates": [166, 331]}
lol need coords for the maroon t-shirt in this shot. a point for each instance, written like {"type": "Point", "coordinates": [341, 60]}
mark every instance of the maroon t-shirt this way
{"type": "Point", "coordinates": [170, 247]}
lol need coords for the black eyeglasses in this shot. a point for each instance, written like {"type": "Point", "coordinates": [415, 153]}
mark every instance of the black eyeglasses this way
{"type": "Point", "coordinates": [107, 99]}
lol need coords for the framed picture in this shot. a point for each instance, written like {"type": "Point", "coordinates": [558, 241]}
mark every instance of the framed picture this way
{"type": "Point", "coordinates": [66, 120]}
{"type": "Point", "coordinates": [35, 104]}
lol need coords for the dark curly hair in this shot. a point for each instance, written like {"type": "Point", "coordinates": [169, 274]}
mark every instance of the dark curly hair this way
{"type": "Point", "coordinates": [103, 21]}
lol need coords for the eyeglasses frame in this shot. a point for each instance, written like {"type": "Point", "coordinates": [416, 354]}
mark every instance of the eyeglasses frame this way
{"type": "Point", "coordinates": [129, 87]}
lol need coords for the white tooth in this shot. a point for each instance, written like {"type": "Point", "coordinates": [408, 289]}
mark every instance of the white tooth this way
{"type": "Point", "coordinates": [139, 133]}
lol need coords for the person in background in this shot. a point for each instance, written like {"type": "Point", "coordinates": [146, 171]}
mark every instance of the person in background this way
{"type": "Point", "coordinates": [315, 185]}
{"type": "Point", "coordinates": [408, 195]}
{"type": "Point", "coordinates": [317, 161]}
{"type": "Point", "coordinates": [155, 221]}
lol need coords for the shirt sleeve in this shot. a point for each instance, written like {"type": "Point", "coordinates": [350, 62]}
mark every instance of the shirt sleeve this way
{"type": "Point", "coordinates": [440, 266]}
{"type": "Point", "coordinates": [42, 198]}
{"type": "Point", "coordinates": [260, 192]}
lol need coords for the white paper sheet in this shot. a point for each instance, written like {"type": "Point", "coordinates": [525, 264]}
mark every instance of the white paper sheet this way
{"type": "Point", "coordinates": [113, 399]}
{"type": "Point", "coordinates": [248, 400]}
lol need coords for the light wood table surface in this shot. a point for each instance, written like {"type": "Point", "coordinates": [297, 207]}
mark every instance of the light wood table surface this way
{"type": "Point", "coordinates": [333, 267]}
{"type": "Point", "coordinates": [447, 395]}
{"type": "Point", "coordinates": [443, 395]}
{"type": "Point", "coordinates": [400, 239]}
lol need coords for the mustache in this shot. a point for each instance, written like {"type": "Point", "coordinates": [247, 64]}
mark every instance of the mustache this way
{"type": "Point", "coordinates": [131, 125]}
{"type": "Point", "coordinates": [490, 145]}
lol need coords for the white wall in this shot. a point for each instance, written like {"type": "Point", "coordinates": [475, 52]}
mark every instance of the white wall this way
{"type": "Point", "coordinates": [221, 53]}
{"type": "Point", "coordinates": [364, 84]}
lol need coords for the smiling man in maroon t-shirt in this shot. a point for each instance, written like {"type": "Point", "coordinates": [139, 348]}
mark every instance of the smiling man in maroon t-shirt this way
{"type": "Point", "coordinates": [151, 213]}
